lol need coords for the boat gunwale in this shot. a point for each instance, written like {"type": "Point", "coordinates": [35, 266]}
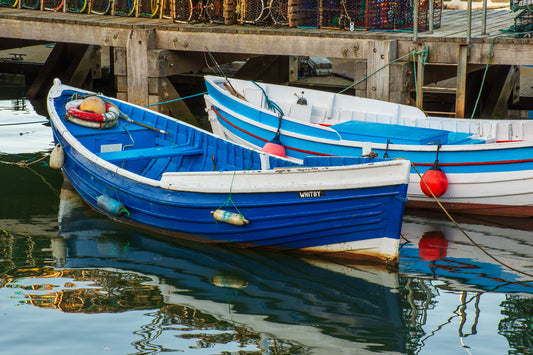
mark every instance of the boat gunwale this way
{"type": "Point", "coordinates": [166, 184]}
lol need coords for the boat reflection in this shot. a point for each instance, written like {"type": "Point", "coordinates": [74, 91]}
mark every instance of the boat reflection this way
{"type": "Point", "coordinates": [466, 285]}
{"type": "Point", "coordinates": [470, 256]}
{"type": "Point", "coordinates": [254, 297]}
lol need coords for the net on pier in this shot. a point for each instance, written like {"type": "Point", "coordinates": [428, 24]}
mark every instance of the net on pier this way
{"type": "Point", "coordinates": [77, 6]}
{"type": "Point", "coordinates": [251, 11]}
{"type": "Point", "coordinates": [185, 11]}
{"type": "Point", "coordinates": [8, 3]}
{"type": "Point", "coordinates": [100, 7]}
{"type": "Point", "coordinates": [149, 8]}
{"type": "Point", "coordinates": [125, 7]}
{"type": "Point", "coordinates": [214, 11]}
{"type": "Point", "coordinates": [279, 11]}
{"type": "Point", "coordinates": [368, 14]}
{"type": "Point", "coordinates": [31, 4]}
{"type": "Point", "coordinates": [52, 5]}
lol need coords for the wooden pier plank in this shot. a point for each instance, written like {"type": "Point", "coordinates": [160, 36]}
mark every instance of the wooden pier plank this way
{"type": "Point", "coordinates": [134, 40]}
{"type": "Point", "coordinates": [113, 31]}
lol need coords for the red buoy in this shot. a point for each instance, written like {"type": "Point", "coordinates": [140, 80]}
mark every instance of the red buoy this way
{"type": "Point", "coordinates": [432, 246]}
{"type": "Point", "coordinates": [436, 180]}
{"type": "Point", "coordinates": [274, 147]}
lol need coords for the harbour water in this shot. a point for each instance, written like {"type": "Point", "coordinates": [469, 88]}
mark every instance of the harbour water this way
{"type": "Point", "coordinates": [72, 281]}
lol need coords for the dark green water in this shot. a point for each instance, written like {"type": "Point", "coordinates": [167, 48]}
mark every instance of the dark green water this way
{"type": "Point", "coordinates": [72, 281]}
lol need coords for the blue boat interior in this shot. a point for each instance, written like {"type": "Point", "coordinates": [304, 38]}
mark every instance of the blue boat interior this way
{"type": "Point", "coordinates": [149, 152]}
{"type": "Point", "coordinates": [398, 134]}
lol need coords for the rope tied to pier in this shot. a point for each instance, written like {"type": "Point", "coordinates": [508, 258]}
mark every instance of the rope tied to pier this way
{"type": "Point", "coordinates": [25, 162]}
{"type": "Point", "coordinates": [415, 52]}
{"type": "Point", "coordinates": [489, 56]}
{"type": "Point", "coordinates": [178, 99]}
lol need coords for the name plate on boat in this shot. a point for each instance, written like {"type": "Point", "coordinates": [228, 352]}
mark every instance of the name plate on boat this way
{"type": "Point", "coordinates": [307, 194]}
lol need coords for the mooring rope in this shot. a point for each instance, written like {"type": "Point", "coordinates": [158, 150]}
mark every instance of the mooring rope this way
{"type": "Point", "coordinates": [178, 99]}
{"type": "Point", "coordinates": [271, 105]}
{"type": "Point", "coordinates": [462, 230]}
{"type": "Point", "coordinates": [487, 66]}
{"type": "Point", "coordinates": [26, 162]}
{"type": "Point", "coordinates": [23, 123]}
{"type": "Point", "coordinates": [424, 51]}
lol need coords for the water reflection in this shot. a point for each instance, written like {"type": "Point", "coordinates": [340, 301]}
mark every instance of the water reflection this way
{"type": "Point", "coordinates": [211, 295]}
{"type": "Point", "coordinates": [486, 269]}
{"type": "Point", "coordinates": [474, 257]}
{"type": "Point", "coordinates": [22, 130]}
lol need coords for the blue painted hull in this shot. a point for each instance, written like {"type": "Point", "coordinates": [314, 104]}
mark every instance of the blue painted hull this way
{"type": "Point", "coordinates": [280, 219]}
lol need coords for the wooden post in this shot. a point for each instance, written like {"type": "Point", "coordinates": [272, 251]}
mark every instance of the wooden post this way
{"type": "Point", "coordinates": [320, 14]}
{"type": "Point", "coordinates": [381, 53]}
{"type": "Point", "coordinates": [420, 77]}
{"type": "Point", "coordinates": [293, 68]}
{"type": "Point", "coordinates": [360, 73]}
{"type": "Point", "coordinates": [292, 13]}
{"type": "Point", "coordinates": [415, 21]}
{"type": "Point", "coordinates": [172, 10]}
{"type": "Point", "coordinates": [460, 94]}
{"type": "Point", "coordinates": [228, 11]}
{"type": "Point", "coordinates": [431, 11]}
{"type": "Point", "coordinates": [138, 44]}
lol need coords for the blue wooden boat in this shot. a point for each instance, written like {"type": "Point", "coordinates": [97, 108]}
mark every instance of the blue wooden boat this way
{"type": "Point", "coordinates": [486, 164]}
{"type": "Point", "coordinates": [156, 172]}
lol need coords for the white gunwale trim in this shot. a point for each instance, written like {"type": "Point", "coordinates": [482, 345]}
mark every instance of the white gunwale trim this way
{"type": "Point", "coordinates": [224, 182]}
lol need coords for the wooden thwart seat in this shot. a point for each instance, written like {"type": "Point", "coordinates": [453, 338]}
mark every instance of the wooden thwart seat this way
{"type": "Point", "coordinates": [153, 152]}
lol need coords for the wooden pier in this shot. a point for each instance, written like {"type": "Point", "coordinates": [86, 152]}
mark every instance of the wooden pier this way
{"type": "Point", "coordinates": [146, 51]}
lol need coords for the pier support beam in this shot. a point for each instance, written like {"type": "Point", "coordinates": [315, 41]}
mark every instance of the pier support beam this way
{"type": "Point", "coordinates": [384, 80]}
{"type": "Point", "coordinates": [380, 54]}
{"type": "Point", "coordinates": [420, 77]}
{"type": "Point", "coordinates": [293, 68]}
{"type": "Point", "coordinates": [401, 83]}
{"type": "Point", "coordinates": [74, 64]}
{"type": "Point", "coordinates": [139, 42]}
{"type": "Point", "coordinates": [160, 64]}
{"type": "Point", "coordinates": [501, 88]}
{"type": "Point", "coordinates": [400, 79]}
{"type": "Point", "coordinates": [460, 93]}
